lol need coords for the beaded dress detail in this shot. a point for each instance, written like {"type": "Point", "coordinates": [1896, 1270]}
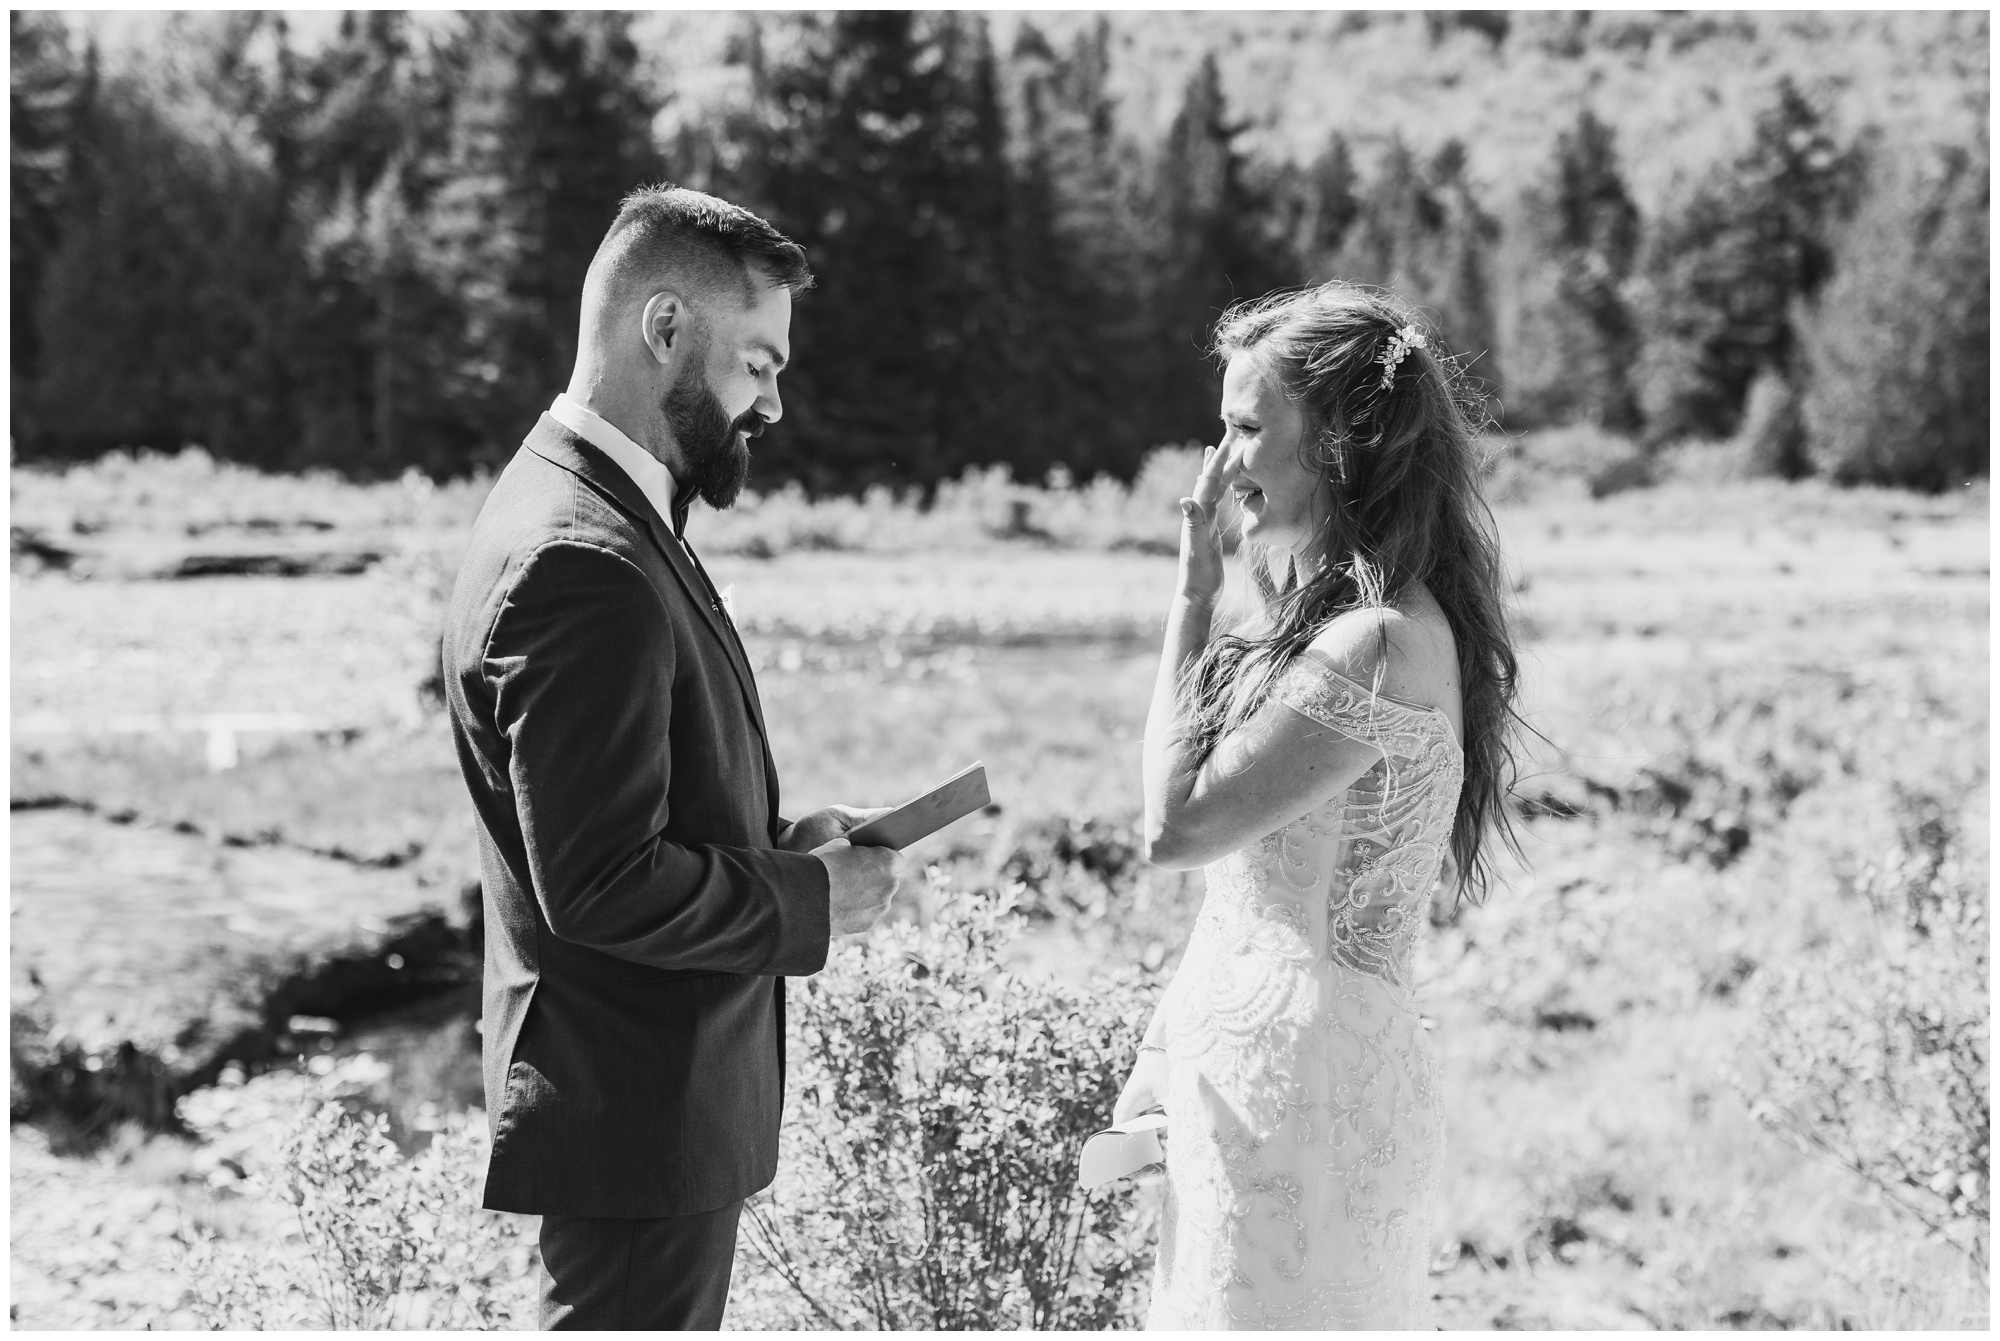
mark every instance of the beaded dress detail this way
{"type": "Point", "coordinates": [1305, 1128]}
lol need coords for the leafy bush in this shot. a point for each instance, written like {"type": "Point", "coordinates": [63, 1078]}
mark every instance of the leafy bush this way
{"type": "Point", "coordinates": [981, 507]}
{"type": "Point", "coordinates": [1730, 766]}
{"type": "Point", "coordinates": [938, 1106]}
{"type": "Point", "coordinates": [381, 1240]}
{"type": "Point", "coordinates": [1704, 465]}
{"type": "Point", "coordinates": [1606, 462]}
{"type": "Point", "coordinates": [1074, 869]}
{"type": "Point", "coordinates": [928, 1172]}
{"type": "Point", "coordinates": [1873, 1053]}
{"type": "Point", "coordinates": [190, 492]}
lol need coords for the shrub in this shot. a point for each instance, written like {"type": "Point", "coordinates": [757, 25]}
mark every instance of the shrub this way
{"type": "Point", "coordinates": [422, 525]}
{"type": "Point", "coordinates": [938, 1106]}
{"type": "Point", "coordinates": [1606, 462]}
{"type": "Point", "coordinates": [1873, 1053]}
{"type": "Point", "coordinates": [1077, 870]}
{"type": "Point", "coordinates": [1704, 464]}
{"type": "Point", "coordinates": [938, 1103]}
{"type": "Point", "coordinates": [1728, 767]}
{"type": "Point", "coordinates": [382, 1240]}
{"type": "Point", "coordinates": [981, 507]}
{"type": "Point", "coordinates": [191, 493]}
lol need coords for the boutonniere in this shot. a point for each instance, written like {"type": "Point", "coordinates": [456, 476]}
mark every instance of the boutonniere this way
{"type": "Point", "coordinates": [729, 601]}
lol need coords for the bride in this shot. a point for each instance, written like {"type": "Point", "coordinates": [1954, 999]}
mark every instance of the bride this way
{"type": "Point", "coordinates": [1326, 762]}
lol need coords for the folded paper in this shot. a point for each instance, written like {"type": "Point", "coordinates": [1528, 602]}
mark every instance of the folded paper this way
{"type": "Point", "coordinates": [953, 799]}
{"type": "Point", "coordinates": [1122, 1150]}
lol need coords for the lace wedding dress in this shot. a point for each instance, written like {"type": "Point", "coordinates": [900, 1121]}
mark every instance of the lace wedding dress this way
{"type": "Point", "coordinates": [1304, 1126]}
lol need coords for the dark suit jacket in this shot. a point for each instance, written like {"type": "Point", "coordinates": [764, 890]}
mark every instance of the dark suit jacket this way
{"type": "Point", "coordinates": [638, 916]}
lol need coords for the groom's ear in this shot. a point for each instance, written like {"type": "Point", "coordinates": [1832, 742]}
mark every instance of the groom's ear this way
{"type": "Point", "coordinates": [664, 324]}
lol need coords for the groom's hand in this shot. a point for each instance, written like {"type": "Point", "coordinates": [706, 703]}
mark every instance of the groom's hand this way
{"type": "Point", "coordinates": [823, 826]}
{"type": "Point", "coordinates": [860, 882]}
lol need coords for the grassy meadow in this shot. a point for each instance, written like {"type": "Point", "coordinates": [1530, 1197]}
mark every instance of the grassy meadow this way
{"type": "Point", "coordinates": [1747, 693]}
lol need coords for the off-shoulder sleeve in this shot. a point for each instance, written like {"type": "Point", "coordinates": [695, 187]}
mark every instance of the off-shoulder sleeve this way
{"type": "Point", "coordinates": [1313, 687]}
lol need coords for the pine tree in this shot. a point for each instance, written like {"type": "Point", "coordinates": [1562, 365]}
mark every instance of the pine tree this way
{"type": "Point", "coordinates": [1897, 348]}
{"type": "Point", "coordinates": [1720, 278]}
{"type": "Point", "coordinates": [988, 371]}
{"type": "Point", "coordinates": [550, 127]}
{"type": "Point", "coordinates": [1214, 247]}
{"type": "Point", "coordinates": [377, 336]}
{"type": "Point", "coordinates": [161, 314]}
{"type": "Point", "coordinates": [877, 147]}
{"type": "Point", "coordinates": [1329, 207]}
{"type": "Point", "coordinates": [48, 85]}
{"type": "Point", "coordinates": [1074, 257]}
{"type": "Point", "coordinates": [1461, 289]}
{"type": "Point", "coordinates": [1585, 232]}
{"type": "Point", "coordinates": [1420, 232]}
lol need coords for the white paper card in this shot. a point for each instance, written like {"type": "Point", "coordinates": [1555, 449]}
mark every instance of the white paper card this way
{"type": "Point", "coordinates": [1122, 1150]}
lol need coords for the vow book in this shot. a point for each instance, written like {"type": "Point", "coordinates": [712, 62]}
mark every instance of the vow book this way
{"type": "Point", "coordinates": [953, 799]}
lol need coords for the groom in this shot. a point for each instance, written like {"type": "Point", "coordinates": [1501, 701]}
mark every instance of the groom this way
{"type": "Point", "coordinates": [643, 900]}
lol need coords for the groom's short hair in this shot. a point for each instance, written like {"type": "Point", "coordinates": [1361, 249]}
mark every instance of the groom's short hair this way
{"type": "Point", "coordinates": [668, 232]}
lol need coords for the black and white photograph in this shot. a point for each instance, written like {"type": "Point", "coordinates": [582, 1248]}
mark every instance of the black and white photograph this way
{"type": "Point", "coordinates": [1063, 669]}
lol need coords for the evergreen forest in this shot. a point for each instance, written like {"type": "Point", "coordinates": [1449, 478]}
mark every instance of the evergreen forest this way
{"type": "Point", "coordinates": [360, 248]}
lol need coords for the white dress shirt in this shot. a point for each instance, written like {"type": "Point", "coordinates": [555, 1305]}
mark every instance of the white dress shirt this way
{"type": "Point", "coordinates": [655, 481]}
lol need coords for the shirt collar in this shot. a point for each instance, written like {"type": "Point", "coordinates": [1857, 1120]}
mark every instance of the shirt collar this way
{"type": "Point", "coordinates": [655, 481]}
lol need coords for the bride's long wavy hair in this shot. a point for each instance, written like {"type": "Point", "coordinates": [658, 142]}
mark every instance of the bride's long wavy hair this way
{"type": "Point", "coordinates": [1402, 505]}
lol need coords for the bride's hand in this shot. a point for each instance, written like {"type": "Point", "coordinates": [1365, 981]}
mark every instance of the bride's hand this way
{"type": "Point", "coordinates": [1146, 1089]}
{"type": "Point", "coordinates": [1201, 540]}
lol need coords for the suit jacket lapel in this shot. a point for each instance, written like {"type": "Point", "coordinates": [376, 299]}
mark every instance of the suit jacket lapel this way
{"type": "Point", "coordinates": [722, 621]}
{"type": "Point", "coordinates": [558, 445]}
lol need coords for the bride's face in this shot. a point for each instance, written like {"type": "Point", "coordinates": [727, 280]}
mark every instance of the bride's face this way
{"type": "Point", "coordinates": [1281, 499]}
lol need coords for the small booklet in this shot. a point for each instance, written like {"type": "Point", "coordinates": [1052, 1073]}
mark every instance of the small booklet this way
{"type": "Point", "coordinates": [953, 799]}
{"type": "Point", "coordinates": [1121, 1151]}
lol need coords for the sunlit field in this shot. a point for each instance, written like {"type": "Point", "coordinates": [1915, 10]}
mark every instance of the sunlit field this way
{"type": "Point", "coordinates": [1748, 697]}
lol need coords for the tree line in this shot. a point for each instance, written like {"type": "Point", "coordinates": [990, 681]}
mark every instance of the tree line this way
{"type": "Point", "coordinates": [367, 255]}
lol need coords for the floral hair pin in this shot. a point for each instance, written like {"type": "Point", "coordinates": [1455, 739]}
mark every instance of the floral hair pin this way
{"type": "Point", "coordinates": [1401, 344]}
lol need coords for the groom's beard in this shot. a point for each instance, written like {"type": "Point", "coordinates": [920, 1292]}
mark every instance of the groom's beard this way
{"type": "Point", "coordinates": [715, 461]}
